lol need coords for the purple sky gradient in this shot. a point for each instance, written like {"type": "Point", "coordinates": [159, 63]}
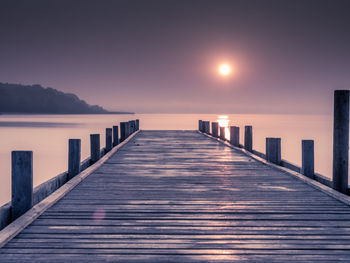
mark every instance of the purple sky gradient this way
{"type": "Point", "coordinates": [161, 56]}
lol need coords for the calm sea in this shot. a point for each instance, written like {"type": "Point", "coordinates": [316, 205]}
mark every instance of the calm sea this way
{"type": "Point", "coordinates": [47, 136]}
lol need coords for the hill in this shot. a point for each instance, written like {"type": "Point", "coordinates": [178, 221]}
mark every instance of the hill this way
{"type": "Point", "coordinates": [16, 98]}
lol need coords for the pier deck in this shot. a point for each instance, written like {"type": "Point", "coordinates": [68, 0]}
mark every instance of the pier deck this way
{"type": "Point", "coordinates": [179, 196]}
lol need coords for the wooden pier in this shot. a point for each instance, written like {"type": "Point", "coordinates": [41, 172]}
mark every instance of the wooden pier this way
{"type": "Point", "coordinates": [180, 196]}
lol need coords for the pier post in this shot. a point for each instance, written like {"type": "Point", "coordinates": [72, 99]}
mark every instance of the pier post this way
{"type": "Point", "coordinates": [94, 148]}
{"type": "Point", "coordinates": [341, 140]}
{"type": "Point", "coordinates": [131, 127]}
{"type": "Point", "coordinates": [248, 138]}
{"type": "Point", "coordinates": [22, 182]}
{"type": "Point", "coordinates": [128, 129]}
{"type": "Point", "coordinates": [234, 136]}
{"type": "Point", "coordinates": [307, 157]}
{"type": "Point", "coordinates": [273, 150]}
{"type": "Point", "coordinates": [115, 135]}
{"type": "Point", "coordinates": [134, 123]}
{"type": "Point", "coordinates": [108, 139]}
{"type": "Point", "coordinates": [222, 133]}
{"type": "Point", "coordinates": [200, 123]}
{"type": "Point", "coordinates": [137, 124]}
{"type": "Point", "coordinates": [206, 127]}
{"type": "Point", "coordinates": [74, 151]}
{"type": "Point", "coordinates": [215, 129]}
{"type": "Point", "coordinates": [123, 131]}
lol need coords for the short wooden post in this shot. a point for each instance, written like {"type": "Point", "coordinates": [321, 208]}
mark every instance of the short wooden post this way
{"type": "Point", "coordinates": [222, 133]}
{"type": "Point", "coordinates": [273, 150]}
{"type": "Point", "coordinates": [74, 151]}
{"type": "Point", "coordinates": [307, 156]}
{"type": "Point", "coordinates": [131, 127]}
{"type": "Point", "coordinates": [206, 127]}
{"type": "Point", "coordinates": [200, 125]}
{"type": "Point", "coordinates": [115, 135]}
{"type": "Point", "coordinates": [22, 183]}
{"type": "Point", "coordinates": [137, 124]}
{"type": "Point", "coordinates": [94, 148]}
{"type": "Point", "coordinates": [134, 123]}
{"type": "Point", "coordinates": [215, 129]}
{"type": "Point", "coordinates": [128, 129]}
{"type": "Point", "coordinates": [123, 131]}
{"type": "Point", "coordinates": [341, 140]}
{"type": "Point", "coordinates": [109, 144]}
{"type": "Point", "coordinates": [248, 138]}
{"type": "Point", "coordinates": [234, 136]}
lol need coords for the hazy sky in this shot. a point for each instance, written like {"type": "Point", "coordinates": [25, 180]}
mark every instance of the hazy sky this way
{"type": "Point", "coordinates": [162, 56]}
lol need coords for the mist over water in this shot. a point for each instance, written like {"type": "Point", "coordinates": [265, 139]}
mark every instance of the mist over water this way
{"type": "Point", "coordinates": [47, 136]}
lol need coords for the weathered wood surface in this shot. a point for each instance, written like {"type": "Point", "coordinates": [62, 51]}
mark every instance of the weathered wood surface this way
{"type": "Point", "coordinates": [178, 196]}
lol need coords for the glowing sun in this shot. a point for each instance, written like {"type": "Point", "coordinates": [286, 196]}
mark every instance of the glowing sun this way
{"type": "Point", "coordinates": [224, 69]}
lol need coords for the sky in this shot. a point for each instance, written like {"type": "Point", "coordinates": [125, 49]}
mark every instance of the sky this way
{"type": "Point", "coordinates": [161, 56]}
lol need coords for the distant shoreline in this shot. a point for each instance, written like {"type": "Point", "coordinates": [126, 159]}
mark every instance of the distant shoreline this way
{"type": "Point", "coordinates": [48, 113]}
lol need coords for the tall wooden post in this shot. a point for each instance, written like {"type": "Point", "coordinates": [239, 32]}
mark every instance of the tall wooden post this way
{"type": "Point", "coordinates": [341, 140]}
{"type": "Point", "coordinates": [273, 150]}
{"type": "Point", "coordinates": [234, 135]}
{"type": "Point", "coordinates": [22, 182]}
{"type": "Point", "coordinates": [215, 129]}
{"type": "Point", "coordinates": [248, 138]}
{"type": "Point", "coordinates": [222, 133]}
{"type": "Point", "coordinates": [200, 125]}
{"type": "Point", "coordinates": [115, 135]}
{"type": "Point", "coordinates": [123, 131]}
{"type": "Point", "coordinates": [206, 127]}
{"type": "Point", "coordinates": [94, 148]}
{"type": "Point", "coordinates": [108, 139]}
{"type": "Point", "coordinates": [137, 124]}
{"type": "Point", "coordinates": [74, 152]}
{"type": "Point", "coordinates": [307, 156]}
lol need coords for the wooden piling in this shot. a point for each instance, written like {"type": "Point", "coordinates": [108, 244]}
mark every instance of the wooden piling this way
{"type": "Point", "coordinates": [74, 152]}
{"type": "Point", "coordinates": [131, 127]}
{"type": "Point", "coordinates": [95, 148]}
{"type": "Point", "coordinates": [341, 140]}
{"type": "Point", "coordinates": [215, 129]}
{"type": "Point", "coordinates": [115, 135]}
{"type": "Point", "coordinates": [234, 136]}
{"type": "Point", "coordinates": [273, 150]}
{"type": "Point", "coordinates": [248, 138]}
{"type": "Point", "coordinates": [307, 167]}
{"type": "Point", "coordinates": [123, 131]}
{"type": "Point", "coordinates": [134, 123]}
{"type": "Point", "coordinates": [109, 143]}
{"type": "Point", "coordinates": [22, 182]}
{"type": "Point", "coordinates": [137, 124]}
{"type": "Point", "coordinates": [200, 124]}
{"type": "Point", "coordinates": [127, 129]}
{"type": "Point", "coordinates": [206, 127]}
{"type": "Point", "coordinates": [222, 133]}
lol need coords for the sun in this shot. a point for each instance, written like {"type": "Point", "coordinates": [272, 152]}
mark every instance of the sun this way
{"type": "Point", "coordinates": [224, 69]}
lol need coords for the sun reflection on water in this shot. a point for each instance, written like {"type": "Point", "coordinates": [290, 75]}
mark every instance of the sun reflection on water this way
{"type": "Point", "coordinates": [224, 122]}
